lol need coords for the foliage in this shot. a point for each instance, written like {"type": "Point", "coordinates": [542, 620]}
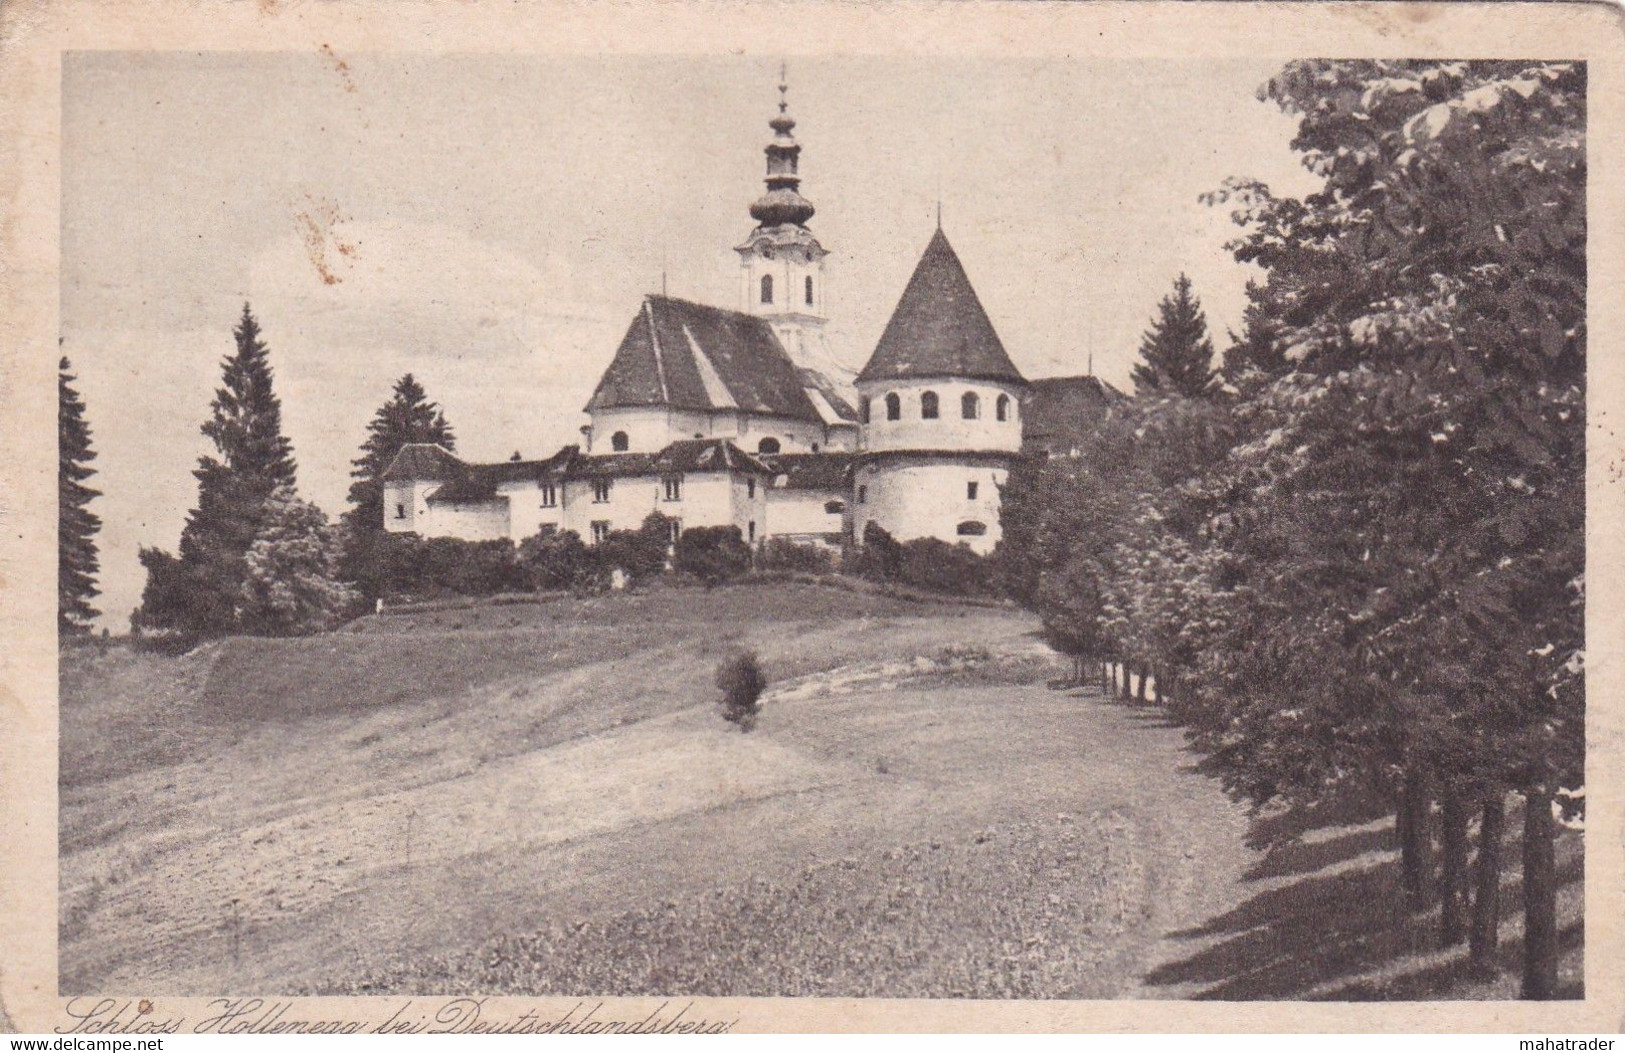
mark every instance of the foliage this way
{"type": "Point", "coordinates": [780, 553]}
{"type": "Point", "coordinates": [879, 557]}
{"type": "Point", "coordinates": [291, 584]}
{"type": "Point", "coordinates": [405, 565]}
{"type": "Point", "coordinates": [558, 559]}
{"type": "Point", "coordinates": [198, 595]}
{"type": "Point", "coordinates": [640, 553]}
{"type": "Point", "coordinates": [741, 679]}
{"type": "Point", "coordinates": [1176, 351]}
{"type": "Point", "coordinates": [712, 554]}
{"type": "Point", "coordinates": [933, 564]}
{"type": "Point", "coordinates": [408, 417]}
{"type": "Point", "coordinates": [77, 526]}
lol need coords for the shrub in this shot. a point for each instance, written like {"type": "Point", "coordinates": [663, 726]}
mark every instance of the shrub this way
{"type": "Point", "coordinates": [712, 554]}
{"type": "Point", "coordinates": [741, 680]}
{"type": "Point", "coordinates": [407, 565]}
{"type": "Point", "coordinates": [641, 553]}
{"type": "Point", "coordinates": [290, 585]}
{"type": "Point", "coordinates": [559, 559]}
{"type": "Point", "coordinates": [933, 564]}
{"type": "Point", "coordinates": [879, 558]}
{"type": "Point", "coordinates": [783, 554]}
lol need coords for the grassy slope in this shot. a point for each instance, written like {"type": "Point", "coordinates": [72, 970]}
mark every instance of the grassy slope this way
{"type": "Point", "coordinates": [541, 798]}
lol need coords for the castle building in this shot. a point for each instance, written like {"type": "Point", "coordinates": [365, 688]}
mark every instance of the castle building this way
{"type": "Point", "coordinates": [744, 417]}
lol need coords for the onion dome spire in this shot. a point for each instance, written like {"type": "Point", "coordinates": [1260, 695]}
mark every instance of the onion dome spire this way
{"type": "Point", "coordinates": [783, 203]}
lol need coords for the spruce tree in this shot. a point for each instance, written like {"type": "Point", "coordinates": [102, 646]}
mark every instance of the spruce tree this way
{"type": "Point", "coordinates": [1177, 353]}
{"type": "Point", "coordinates": [408, 417]}
{"type": "Point", "coordinates": [253, 461]}
{"type": "Point", "coordinates": [77, 561]}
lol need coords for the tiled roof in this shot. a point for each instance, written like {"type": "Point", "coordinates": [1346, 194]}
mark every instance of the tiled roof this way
{"type": "Point", "coordinates": [939, 328]}
{"type": "Point", "coordinates": [1058, 412]}
{"type": "Point", "coordinates": [474, 483]}
{"type": "Point", "coordinates": [691, 356]}
{"type": "Point", "coordinates": [827, 398]}
{"type": "Point", "coordinates": [425, 462]}
{"type": "Point", "coordinates": [811, 471]}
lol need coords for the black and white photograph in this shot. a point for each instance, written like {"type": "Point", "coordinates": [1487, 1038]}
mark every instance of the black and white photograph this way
{"type": "Point", "coordinates": [807, 522]}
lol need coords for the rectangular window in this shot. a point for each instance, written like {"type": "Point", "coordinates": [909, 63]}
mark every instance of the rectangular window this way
{"type": "Point", "coordinates": [550, 495]}
{"type": "Point", "coordinates": [863, 495]}
{"type": "Point", "coordinates": [674, 487]}
{"type": "Point", "coordinates": [970, 491]}
{"type": "Point", "coordinates": [676, 526]}
{"type": "Point", "coordinates": [600, 491]}
{"type": "Point", "coordinates": [750, 488]}
{"type": "Point", "coordinates": [750, 534]}
{"type": "Point", "coordinates": [400, 511]}
{"type": "Point", "coordinates": [600, 530]}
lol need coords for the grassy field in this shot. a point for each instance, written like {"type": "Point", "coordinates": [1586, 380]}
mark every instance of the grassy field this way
{"type": "Point", "coordinates": [541, 798]}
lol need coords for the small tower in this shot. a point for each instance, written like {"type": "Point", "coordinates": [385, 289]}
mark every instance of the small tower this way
{"type": "Point", "coordinates": [940, 413]}
{"type": "Point", "coordinates": [781, 262]}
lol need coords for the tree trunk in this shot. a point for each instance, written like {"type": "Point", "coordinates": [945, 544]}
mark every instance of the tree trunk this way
{"type": "Point", "coordinates": [1539, 898]}
{"type": "Point", "coordinates": [1484, 940]}
{"type": "Point", "coordinates": [1415, 840]}
{"type": "Point", "coordinates": [1453, 876]}
{"type": "Point", "coordinates": [1127, 694]}
{"type": "Point", "coordinates": [1145, 674]}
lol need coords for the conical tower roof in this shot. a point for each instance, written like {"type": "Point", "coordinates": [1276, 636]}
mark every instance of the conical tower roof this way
{"type": "Point", "coordinates": [939, 328]}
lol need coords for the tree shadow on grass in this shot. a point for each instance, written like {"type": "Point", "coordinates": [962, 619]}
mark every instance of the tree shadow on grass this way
{"type": "Point", "coordinates": [1330, 920]}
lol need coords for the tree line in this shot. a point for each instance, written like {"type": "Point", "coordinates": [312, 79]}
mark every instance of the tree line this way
{"type": "Point", "coordinates": [1351, 559]}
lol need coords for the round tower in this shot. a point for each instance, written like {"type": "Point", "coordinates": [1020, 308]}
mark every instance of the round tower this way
{"type": "Point", "coordinates": [939, 412]}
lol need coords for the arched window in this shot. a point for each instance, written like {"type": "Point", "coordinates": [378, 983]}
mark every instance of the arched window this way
{"type": "Point", "coordinates": [767, 288]}
{"type": "Point", "coordinates": [971, 528]}
{"type": "Point", "coordinates": [894, 407]}
{"type": "Point", "coordinates": [768, 445]}
{"type": "Point", "coordinates": [928, 405]}
{"type": "Point", "coordinates": [618, 442]}
{"type": "Point", "coordinates": [809, 290]}
{"type": "Point", "coordinates": [970, 407]}
{"type": "Point", "coordinates": [863, 409]}
{"type": "Point", "coordinates": [1001, 408]}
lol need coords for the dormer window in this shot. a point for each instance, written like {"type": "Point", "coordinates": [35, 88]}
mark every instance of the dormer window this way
{"type": "Point", "coordinates": [1001, 408]}
{"type": "Point", "coordinates": [768, 445]}
{"type": "Point", "coordinates": [767, 288]}
{"type": "Point", "coordinates": [928, 406]}
{"type": "Point", "coordinates": [970, 407]}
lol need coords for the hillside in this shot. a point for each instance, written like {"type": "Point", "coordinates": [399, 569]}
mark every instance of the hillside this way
{"type": "Point", "coordinates": [541, 798]}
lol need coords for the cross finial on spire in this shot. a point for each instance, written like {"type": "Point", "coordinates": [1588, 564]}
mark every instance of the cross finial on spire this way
{"type": "Point", "coordinates": [784, 86]}
{"type": "Point", "coordinates": [939, 213]}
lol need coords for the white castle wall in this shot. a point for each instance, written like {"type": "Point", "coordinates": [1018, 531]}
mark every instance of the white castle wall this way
{"type": "Point", "coordinates": [482, 521]}
{"type": "Point", "coordinates": [927, 496]}
{"type": "Point", "coordinates": [651, 429]}
{"type": "Point", "coordinates": [804, 515]}
{"type": "Point", "coordinates": [950, 431]}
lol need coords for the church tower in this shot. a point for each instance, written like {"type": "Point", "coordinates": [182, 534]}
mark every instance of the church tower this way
{"type": "Point", "coordinates": [781, 262]}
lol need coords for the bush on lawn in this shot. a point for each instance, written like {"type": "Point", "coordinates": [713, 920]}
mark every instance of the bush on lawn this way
{"type": "Point", "coordinates": [712, 554]}
{"type": "Point", "coordinates": [741, 680]}
{"type": "Point", "coordinates": [879, 558]}
{"type": "Point", "coordinates": [554, 559]}
{"type": "Point", "coordinates": [407, 565]}
{"type": "Point", "coordinates": [783, 554]}
{"type": "Point", "coordinates": [933, 564]}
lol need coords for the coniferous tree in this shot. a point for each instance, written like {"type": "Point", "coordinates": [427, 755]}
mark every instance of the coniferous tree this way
{"type": "Point", "coordinates": [408, 417]}
{"type": "Point", "coordinates": [1257, 353]}
{"type": "Point", "coordinates": [77, 561]}
{"type": "Point", "coordinates": [1177, 353]}
{"type": "Point", "coordinates": [254, 461]}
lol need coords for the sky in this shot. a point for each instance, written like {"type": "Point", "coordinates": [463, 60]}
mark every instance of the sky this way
{"type": "Point", "coordinates": [491, 223]}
